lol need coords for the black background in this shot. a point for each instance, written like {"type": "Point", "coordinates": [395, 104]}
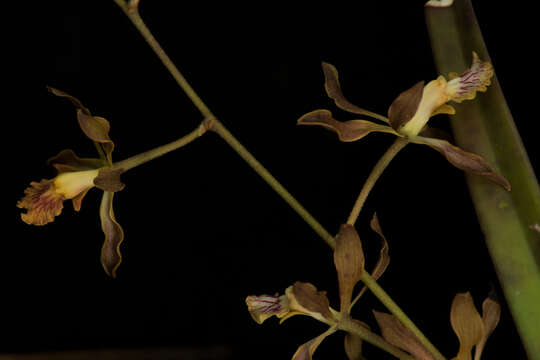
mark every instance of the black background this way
{"type": "Point", "coordinates": [202, 230]}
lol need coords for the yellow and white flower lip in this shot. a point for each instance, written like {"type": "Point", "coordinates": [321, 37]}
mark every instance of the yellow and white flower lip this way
{"type": "Point", "coordinates": [264, 306]}
{"type": "Point", "coordinates": [71, 184]}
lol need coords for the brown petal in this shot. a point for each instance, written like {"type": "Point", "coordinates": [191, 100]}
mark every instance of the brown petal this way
{"type": "Point", "coordinates": [491, 314]}
{"type": "Point", "coordinates": [384, 256]}
{"type": "Point", "coordinates": [405, 105]}
{"type": "Point", "coordinates": [353, 343]}
{"type": "Point", "coordinates": [466, 323]}
{"type": "Point", "coordinates": [95, 127]}
{"type": "Point", "coordinates": [114, 235]}
{"type": "Point", "coordinates": [333, 89]}
{"type": "Point", "coordinates": [67, 160]}
{"type": "Point", "coordinates": [74, 100]}
{"type": "Point", "coordinates": [462, 159]}
{"type": "Point", "coordinates": [349, 261]}
{"type": "Point", "coordinates": [347, 131]}
{"type": "Point", "coordinates": [307, 296]}
{"type": "Point", "coordinates": [306, 351]}
{"type": "Point", "coordinates": [398, 335]}
{"type": "Point", "coordinates": [109, 179]}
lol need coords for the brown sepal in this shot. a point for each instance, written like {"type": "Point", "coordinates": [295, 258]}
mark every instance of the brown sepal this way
{"type": "Point", "coordinates": [307, 296]}
{"type": "Point", "coordinates": [333, 89]}
{"type": "Point", "coordinates": [398, 335]}
{"type": "Point", "coordinates": [74, 100]}
{"type": "Point", "coordinates": [346, 130]}
{"type": "Point", "coordinates": [109, 179]}
{"type": "Point", "coordinates": [114, 235]}
{"type": "Point", "coordinates": [463, 160]}
{"type": "Point", "coordinates": [349, 261]}
{"type": "Point", "coordinates": [405, 105]}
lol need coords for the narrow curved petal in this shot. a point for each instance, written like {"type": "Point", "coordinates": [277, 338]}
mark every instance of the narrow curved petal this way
{"type": "Point", "coordinates": [463, 160]}
{"type": "Point", "coordinates": [397, 334]}
{"type": "Point", "coordinates": [384, 256]}
{"type": "Point", "coordinates": [306, 351]}
{"type": "Point", "coordinates": [333, 89]}
{"type": "Point", "coordinates": [476, 78]}
{"type": "Point", "coordinates": [114, 235]}
{"type": "Point", "coordinates": [466, 323]}
{"type": "Point", "coordinates": [74, 100]}
{"type": "Point", "coordinates": [347, 131]}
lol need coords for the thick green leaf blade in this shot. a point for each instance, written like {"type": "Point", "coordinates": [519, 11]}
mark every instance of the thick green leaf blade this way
{"type": "Point", "coordinates": [485, 126]}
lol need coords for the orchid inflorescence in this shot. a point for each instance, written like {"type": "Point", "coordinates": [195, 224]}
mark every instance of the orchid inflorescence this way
{"type": "Point", "coordinates": [407, 119]}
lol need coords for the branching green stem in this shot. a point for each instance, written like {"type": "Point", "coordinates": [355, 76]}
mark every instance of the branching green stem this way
{"type": "Point", "coordinates": [374, 176]}
{"type": "Point", "coordinates": [212, 123]}
{"type": "Point", "coordinates": [146, 156]}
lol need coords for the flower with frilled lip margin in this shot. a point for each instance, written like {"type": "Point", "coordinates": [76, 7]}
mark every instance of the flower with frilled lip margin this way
{"type": "Point", "coordinates": [410, 112]}
{"type": "Point", "coordinates": [43, 200]}
{"type": "Point", "coordinates": [304, 299]}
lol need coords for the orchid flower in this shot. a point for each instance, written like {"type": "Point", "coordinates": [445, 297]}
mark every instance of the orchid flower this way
{"type": "Point", "coordinates": [304, 298]}
{"type": "Point", "coordinates": [43, 200]}
{"type": "Point", "coordinates": [411, 111]}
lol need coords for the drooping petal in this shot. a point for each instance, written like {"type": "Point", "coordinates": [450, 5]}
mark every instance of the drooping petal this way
{"type": "Point", "coordinates": [264, 306]}
{"type": "Point", "coordinates": [353, 343]}
{"type": "Point", "coordinates": [347, 131]}
{"type": "Point", "coordinates": [398, 335]}
{"type": "Point", "coordinates": [476, 78]}
{"type": "Point", "coordinates": [67, 160]}
{"type": "Point", "coordinates": [349, 261]}
{"type": "Point", "coordinates": [306, 351]}
{"type": "Point", "coordinates": [491, 314]}
{"type": "Point", "coordinates": [42, 203]}
{"type": "Point", "coordinates": [333, 89]}
{"type": "Point", "coordinates": [74, 100]}
{"type": "Point", "coordinates": [462, 159]}
{"type": "Point", "coordinates": [466, 323]}
{"type": "Point", "coordinates": [114, 235]}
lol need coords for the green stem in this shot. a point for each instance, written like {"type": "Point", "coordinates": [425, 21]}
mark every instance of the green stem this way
{"type": "Point", "coordinates": [218, 128]}
{"type": "Point", "coordinates": [139, 159]}
{"type": "Point", "coordinates": [399, 314]}
{"type": "Point", "coordinates": [372, 338]}
{"type": "Point", "coordinates": [132, 13]}
{"type": "Point", "coordinates": [374, 176]}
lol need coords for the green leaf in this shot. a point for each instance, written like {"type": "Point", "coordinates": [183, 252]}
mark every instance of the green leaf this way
{"type": "Point", "coordinates": [485, 127]}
